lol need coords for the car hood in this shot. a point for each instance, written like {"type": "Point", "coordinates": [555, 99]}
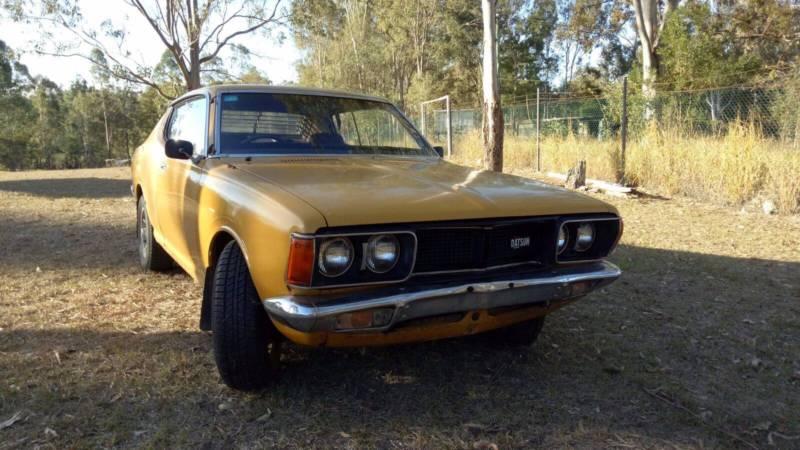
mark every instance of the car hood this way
{"type": "Point", "coordinates": [358, 190]}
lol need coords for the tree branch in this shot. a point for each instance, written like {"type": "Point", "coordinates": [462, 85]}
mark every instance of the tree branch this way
{"type": "Point", "coordinates": [227, 39]}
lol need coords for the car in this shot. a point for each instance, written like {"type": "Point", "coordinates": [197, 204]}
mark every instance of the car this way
{"type": "Point", "coordinates": [325, 218]}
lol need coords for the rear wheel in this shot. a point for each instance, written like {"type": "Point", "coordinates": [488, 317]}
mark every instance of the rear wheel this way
{"type": "Point", "coordinates": [519, 334]}
{"type": "Point", "coordinates": [151, 255]}
{"type": "Point", "coordinates": [246, 344]}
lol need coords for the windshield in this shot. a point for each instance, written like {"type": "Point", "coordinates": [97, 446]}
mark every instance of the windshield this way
{"type": "Point", "coordinates": [262, 123]}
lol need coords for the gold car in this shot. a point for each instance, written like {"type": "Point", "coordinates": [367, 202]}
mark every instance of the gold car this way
{"type": "Point", "coordinates": [327, 218]}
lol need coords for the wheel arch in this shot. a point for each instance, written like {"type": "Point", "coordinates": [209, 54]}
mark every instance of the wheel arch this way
{"type": "Point", "coordinates": [221, 239]}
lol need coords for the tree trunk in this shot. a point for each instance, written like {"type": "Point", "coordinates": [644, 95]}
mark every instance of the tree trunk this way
{"type": "Point", "coordinates": [648, 27]}
{"type": "Point", "coordinates": [492, 111]}
{"type": "Point", "coordinates": [105, 126]}
{"type": "Point", "coordinates": [193, 82]}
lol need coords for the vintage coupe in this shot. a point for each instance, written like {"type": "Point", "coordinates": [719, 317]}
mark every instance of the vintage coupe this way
{"type": "Point", "coordinates": [326, 218]}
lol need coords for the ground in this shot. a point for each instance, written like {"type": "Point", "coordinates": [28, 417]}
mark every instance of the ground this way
{"type": "Point", "coordinates": [696, 346]}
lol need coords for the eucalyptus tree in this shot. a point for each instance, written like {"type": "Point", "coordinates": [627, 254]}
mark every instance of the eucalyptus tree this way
{"type": "Point", "coordinates": [492, 112]}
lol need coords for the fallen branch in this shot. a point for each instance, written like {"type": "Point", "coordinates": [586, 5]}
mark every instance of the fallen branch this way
{"type": "Point", "coordinates": [605, 186]}
{"type": "Point", "coordinates": [14, 419]}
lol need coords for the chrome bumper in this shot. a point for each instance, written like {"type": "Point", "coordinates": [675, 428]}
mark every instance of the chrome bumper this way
{"type": "Point", "coordinates": [308, 314]}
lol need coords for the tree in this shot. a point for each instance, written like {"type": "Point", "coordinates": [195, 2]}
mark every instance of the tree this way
{"type": "Point", "coordinates": [46, 141]}
{"type": "Point", "coordinates": [16, 110]}
{"type": "Point", "coordinates": [492, 112]}
{"type": "Point", "coordinates": [650, 19]}
{"type": "Point", "coordinates": [427, 48]}
{"type": "Point", "coordinates": [254, 76]}
{"type": "Point", "coordinates": [526, 32]}
{"type": "Point", "coordinates": [194, 34]}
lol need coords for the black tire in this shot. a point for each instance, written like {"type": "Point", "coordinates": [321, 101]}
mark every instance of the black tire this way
{"type": "Point", "coordinates": [520, 334]}
{"type": "Point", "coordinates": [246, 344]}
{"type": "Point", "coordinates": [151, 255]}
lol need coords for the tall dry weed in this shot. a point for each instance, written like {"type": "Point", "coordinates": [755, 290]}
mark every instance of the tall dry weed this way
{"type": "Point", "coordinates": [732, 167]}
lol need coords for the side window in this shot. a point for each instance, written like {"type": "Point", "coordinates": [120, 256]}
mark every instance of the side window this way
{"type": "Point", "coordinates": [188, 123]}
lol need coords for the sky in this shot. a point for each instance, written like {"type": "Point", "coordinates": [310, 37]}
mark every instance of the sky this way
{"type": "Point", "coordinates": [276, 60]}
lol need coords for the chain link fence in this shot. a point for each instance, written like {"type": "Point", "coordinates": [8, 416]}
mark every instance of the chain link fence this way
{"type": "Point", "coordinates": [699, 112]}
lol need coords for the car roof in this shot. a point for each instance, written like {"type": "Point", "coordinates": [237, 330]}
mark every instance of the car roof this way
{"type": "Point", "coordinates": [269, 89]}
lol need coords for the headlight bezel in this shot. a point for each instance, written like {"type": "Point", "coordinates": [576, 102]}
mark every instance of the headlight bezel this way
{"type": "Point", "coordinates": [358, 273]}
{"type": "Point", "coordinates": [607, 232]}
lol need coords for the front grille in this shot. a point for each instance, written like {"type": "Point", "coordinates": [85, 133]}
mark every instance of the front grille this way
{"type": "Point", "coordinates": [452, 248]}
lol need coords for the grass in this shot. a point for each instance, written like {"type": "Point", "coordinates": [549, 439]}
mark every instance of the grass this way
{"type": "Point", "coordinates": [731, 168]}
{"type": "Point", "coordinates": [697, 346]}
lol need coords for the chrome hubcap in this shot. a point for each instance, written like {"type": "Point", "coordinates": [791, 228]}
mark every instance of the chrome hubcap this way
{"type": "Point", "coordinates": [144, 228]}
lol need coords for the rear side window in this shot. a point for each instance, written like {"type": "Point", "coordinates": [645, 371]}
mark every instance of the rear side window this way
{"type": "Point", "coordinates": [188, 123]}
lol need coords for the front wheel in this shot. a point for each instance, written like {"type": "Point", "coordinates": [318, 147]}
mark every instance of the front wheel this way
{"type": "Point", "coordinates": [246, 344]}
{"type": "Point", "coordinates": [151, 255]}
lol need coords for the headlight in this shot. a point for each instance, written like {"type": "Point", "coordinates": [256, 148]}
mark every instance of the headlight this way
{"type": "Point", "coordinates": [382, 253]}
{"type": "Point", "coordinates": [563, 238]}
{"type": "Point", "coordinates": [585, 237]}
{"type": "Point", "coordinates": [335, 256]}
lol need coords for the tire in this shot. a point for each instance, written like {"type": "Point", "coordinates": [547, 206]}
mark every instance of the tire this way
{"type": "Point", "coordinates": [246, 344]}
{"type": "Point", "coordinates": [520, 334]}
{"type": "Point", "coordinates": [152, 256]}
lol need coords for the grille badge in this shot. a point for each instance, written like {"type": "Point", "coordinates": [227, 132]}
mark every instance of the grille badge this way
{"type": "Point", "coordinates": [519, 242]}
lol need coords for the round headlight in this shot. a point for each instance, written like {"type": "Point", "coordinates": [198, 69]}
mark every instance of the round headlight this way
{"type": "Point", "coordinates": [382, 253]}
{"type": "Point", "coordinates": [585, 237]}
{"type": "Point", "coordinates": [335, 256]}
{"type": "Point", "coordinates": [563, 238]}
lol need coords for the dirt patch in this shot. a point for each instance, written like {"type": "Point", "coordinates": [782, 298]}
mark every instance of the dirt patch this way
{"type": "Point", "coordinates": [698, 345]}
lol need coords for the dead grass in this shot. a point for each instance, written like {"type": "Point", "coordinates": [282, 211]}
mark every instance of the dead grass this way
{"type": "Point", "coordinates": [94, 353]}
{"type": "Point", "coordinates": [731, 169]}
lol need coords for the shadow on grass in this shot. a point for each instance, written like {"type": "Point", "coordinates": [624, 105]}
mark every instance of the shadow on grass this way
{"type": "Point", "coordinates": [67, 245]}
{"type": "Point", "coordinates": [69, 187]}
{"type": "Point", "coordinates": [687, 325]}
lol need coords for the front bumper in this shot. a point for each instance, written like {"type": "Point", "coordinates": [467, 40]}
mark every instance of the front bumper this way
{"type": "Point", "coordinates": [319, 314]}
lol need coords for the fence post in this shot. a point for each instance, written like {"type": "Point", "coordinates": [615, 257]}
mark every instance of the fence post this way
{"type": "Point", "coordinates": [623, 132]}
{"type": "Point", "coordinates": [538, 139]}
{"type": "Point", "coordinates": [449, 126]}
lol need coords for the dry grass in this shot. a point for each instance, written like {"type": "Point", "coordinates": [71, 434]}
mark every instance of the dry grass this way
{"type": "Point", "coordinates": [697, 346]}
{"type": "Point", "coordinates": [728, 169]}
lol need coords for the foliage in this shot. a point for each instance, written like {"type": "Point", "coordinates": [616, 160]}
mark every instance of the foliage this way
{"type": "Point", "coordinates": [696, 52]}
{"type": "Point", "coordinates": [787, 109]}
{"type": "Point", "coordinates": [423, 49]}
{"type": "Point", "coordinates": [46, 127]}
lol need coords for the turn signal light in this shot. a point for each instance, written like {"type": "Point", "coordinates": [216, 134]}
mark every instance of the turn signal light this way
{"type": "Point", "coordinates": [371, 318]}
{"type": "Point", "coordinates": [301, 261]}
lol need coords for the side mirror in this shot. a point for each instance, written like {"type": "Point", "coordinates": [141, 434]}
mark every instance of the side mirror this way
{"type": "Point", "coordinates": [178, 149]}
{"type": "Point", "coordinates": [439, 150]}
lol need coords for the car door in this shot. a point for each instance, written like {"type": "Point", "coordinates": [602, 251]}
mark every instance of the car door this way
{"type": "Point", "coordinates": [182, 182]}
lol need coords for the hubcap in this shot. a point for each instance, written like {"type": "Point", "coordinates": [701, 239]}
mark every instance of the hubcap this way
{"type": "Point", "coordinates": [144, 233]}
